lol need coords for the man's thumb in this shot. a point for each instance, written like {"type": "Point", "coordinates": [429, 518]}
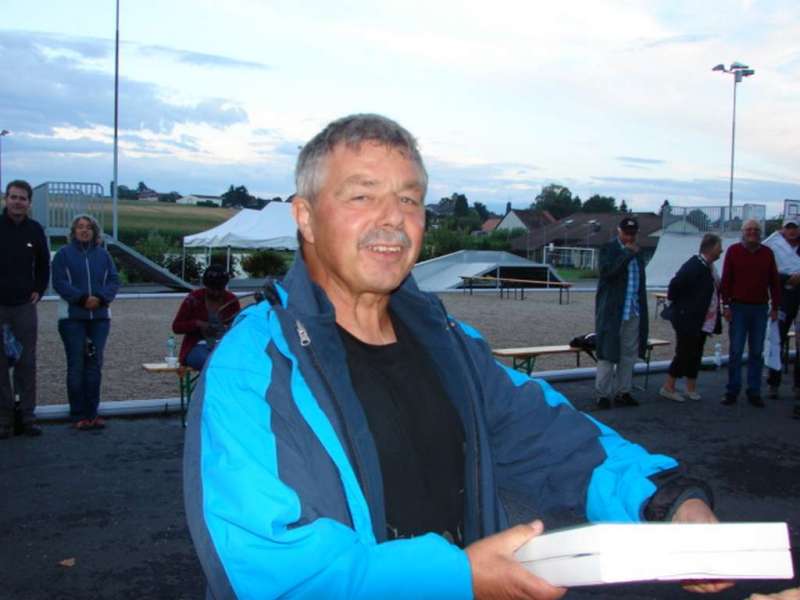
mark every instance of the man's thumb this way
{"type": "Point", "coordinates": [518, 535]}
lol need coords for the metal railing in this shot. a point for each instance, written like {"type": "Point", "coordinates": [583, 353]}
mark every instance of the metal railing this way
{"type": "Point", "coordinates": [55, 204]}
{"type": "Point", "coordinates": [703, 219]}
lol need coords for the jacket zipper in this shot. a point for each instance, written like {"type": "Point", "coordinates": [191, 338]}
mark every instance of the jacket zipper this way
{"type": "Point", "coordinates": [88, 280]}
{"type": "Point", "coordinates": [305, 342]}
{"type": "Point", "coordinates": [474, 410]}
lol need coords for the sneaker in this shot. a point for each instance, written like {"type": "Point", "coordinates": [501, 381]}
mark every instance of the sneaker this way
{"type": "Point", "coordinates": [84, 425]}
{"type": "Point", "coordinates": [31, 430]}
{"type": "Point", "coordinates": [626, 400]}
{"type": "Point", "coordinates": [729, 399]}
{"type": "Point", "coordinates": [693, 396]}
{"type": "Point", "coordinates": [772, 393]}
{"type": "Point", "coordinates": [670, 395]}
{"type": "Point", "coordinates": [756, 400]}
{"type": "Point", "coordinates": [603, 403]}
{"type": "Point", "coordinates": [98, 423]}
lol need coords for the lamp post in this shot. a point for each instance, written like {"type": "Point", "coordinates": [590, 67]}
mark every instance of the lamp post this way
{"type": "Point", "coordinates": [739, 71]}
{"type": "Point", "coordinates": [3, 133]}
{"type": "Point", "coordinates": [114, 195]}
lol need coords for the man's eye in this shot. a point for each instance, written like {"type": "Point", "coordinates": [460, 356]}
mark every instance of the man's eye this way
{"type": "Point", "coordinates": [409, 200]}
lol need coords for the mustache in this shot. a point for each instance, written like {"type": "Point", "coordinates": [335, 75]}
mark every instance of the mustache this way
{"type": "Point", "coordinates": [385, 236]}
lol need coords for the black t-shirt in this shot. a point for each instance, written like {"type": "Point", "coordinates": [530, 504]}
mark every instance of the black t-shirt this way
{"type": "Point", "coordinates": [418, 434]}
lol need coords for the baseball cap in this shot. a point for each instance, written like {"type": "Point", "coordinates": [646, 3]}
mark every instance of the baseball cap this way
{"type": "Point", "coordinates": [629, 224]}
{"type": "Point", "coordinates": [791, 221]}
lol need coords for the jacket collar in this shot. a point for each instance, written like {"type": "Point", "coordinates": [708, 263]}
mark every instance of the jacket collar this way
{"type": "Point", "coordinates": [9, 221]}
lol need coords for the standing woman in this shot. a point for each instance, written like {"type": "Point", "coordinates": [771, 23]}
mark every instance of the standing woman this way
{"type": "Point", "coordinates": [694, 297]}
{"type": "Point", "coordinates": [85, 277]}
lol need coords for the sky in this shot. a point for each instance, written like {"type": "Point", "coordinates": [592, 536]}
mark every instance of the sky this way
{"type": "Point", "coordinates": [611, 97]}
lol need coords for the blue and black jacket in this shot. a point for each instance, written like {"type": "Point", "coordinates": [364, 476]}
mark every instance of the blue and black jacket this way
{"type": "Point", "coordinates": [82, 270]}
{"type": "Point", "coordinates": [282, 482]}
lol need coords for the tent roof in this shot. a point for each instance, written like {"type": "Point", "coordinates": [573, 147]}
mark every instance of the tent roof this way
{"type": "Point", "coordinates": [270, 227]}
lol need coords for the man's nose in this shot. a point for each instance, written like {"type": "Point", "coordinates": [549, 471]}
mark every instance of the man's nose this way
{"type": "Point", "coordinates": [391, 211]}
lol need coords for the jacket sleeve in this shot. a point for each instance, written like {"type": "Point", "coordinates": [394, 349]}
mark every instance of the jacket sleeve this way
{"type": "Point", "coordinates": [726, 285]}
{"type": "Point", "coordinates": [61, 281]}
{"type": "Point", "coordinates": [42, 264]}
{"type": "Point", "coordinates": [679, 283]}
{"type": "Point", "coordinates": [613, 263]}
{"type": "Point", "coordinates": [110, 285]}
{"type": "Point", "coordinates": [244, 519]}
{"type": "Point", "coordinates": [185, 320]}
{"type": "Point", "coordinates": [560, 458]}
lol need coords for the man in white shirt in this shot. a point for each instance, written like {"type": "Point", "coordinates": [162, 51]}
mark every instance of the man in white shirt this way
{"type": "Point", "coordinates": [784, 245]}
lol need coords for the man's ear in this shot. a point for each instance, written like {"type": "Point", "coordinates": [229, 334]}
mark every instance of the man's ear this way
{"type": "Point", "coordinates": [303, 214]}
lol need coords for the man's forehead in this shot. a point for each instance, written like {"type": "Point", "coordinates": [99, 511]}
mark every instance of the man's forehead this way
{"type": "Point", "coordinates": [17, 191]}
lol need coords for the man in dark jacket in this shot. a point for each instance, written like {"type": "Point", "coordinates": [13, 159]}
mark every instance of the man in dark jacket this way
{"type": "Point", "coordinates": [24, 274]}
{"type": "Point", "coordinates": [349, 439]}
{"type": "Point", "coordinates": [620, 316]}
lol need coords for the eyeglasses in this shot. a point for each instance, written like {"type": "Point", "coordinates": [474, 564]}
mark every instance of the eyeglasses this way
{"type": "Point", "coordinates": [756, 229]}
{"type": "Point", "coordinates": [16, 197]}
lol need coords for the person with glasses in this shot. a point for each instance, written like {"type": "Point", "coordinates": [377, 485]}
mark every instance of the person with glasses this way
{"type": "Point", "coordinates": [24, 274]}
{"type": "Point", "coordinates": [750, 291]}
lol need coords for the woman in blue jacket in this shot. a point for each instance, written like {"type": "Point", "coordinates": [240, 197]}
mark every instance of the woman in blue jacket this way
{"type": "Point", "coordinates": [85, 277]}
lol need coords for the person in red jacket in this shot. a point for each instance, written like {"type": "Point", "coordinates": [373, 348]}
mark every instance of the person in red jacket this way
{"type": "Point", "coordinates": [750, 291]}
{"type": "Point", "coordinates": [204, 316]}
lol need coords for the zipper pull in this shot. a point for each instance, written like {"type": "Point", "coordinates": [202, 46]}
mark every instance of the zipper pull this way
{"type": "Point", "coordinates": [302, 334]}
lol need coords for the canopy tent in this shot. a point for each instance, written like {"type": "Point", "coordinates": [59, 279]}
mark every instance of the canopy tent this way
{"type": "Point", "coordinates": [271, 227]}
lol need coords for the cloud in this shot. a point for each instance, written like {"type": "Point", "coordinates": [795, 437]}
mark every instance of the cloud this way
{"type": "Point", "coordinates": [684, 38]}
{"type": "Point", "coordinates": [635, 161]}
{"type": "Point", "coordinates": [199, 59]}
{"type": "Point", "coordinates": [49, 81]}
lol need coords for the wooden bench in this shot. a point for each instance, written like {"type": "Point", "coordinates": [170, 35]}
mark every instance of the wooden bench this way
{"type": "Point", "coordinates": [505, 285]}
{"type": "Point", "coordinates": [524, 359]}
{"type": "Point", "coordinates": [187, 379]}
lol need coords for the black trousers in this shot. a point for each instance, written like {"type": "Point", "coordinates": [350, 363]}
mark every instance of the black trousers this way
{"type": "Point", "coordinates": [688, 354]}
{"type": "Point", "coordinates": [790, 302]}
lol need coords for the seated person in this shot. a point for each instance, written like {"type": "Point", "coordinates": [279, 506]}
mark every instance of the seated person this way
{"type": "Point", "coordinates": [204, 316]}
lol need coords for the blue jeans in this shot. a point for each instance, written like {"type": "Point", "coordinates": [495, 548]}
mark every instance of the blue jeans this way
{"type": "Point", "coordinates": [197, 356]}
{"type": "Point", "coordinates": [83, 363]}
{"type": "Point", "coordinates": [748, 322]}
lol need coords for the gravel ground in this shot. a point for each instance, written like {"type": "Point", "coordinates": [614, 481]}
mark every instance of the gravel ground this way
{"type": "Point", "coordinates": [140, 328]}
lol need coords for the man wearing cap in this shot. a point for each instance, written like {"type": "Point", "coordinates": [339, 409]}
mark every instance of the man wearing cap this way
{"type": "Point", "coordinates": [749, 284]}
{"type": "Point", "coordinates": [784, 245]}
{"type": "Point", "coordinates": [620, 316]}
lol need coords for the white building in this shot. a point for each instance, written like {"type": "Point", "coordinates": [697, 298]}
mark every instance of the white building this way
{"type": "Point", "coordinates": [195, 198]}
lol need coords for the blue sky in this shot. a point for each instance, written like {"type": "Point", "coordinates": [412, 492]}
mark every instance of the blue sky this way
{"type": "Point", "coordinates": [608, 97]}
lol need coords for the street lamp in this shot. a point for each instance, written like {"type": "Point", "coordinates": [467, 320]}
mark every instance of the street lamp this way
{"type": "Point", "coordinates": [3, 133]}
{"type": "Point", "coordinates": [739, 71]}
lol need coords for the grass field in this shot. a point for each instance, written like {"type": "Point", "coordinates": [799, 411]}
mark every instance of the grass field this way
{"type": "Point", "coordinates": [137, 219]}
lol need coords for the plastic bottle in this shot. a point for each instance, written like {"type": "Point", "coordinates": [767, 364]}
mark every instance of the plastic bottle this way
{"type": "Point", "coordinates": [717, 355]}
{"type": "Point", "coordinates": [171, 345]}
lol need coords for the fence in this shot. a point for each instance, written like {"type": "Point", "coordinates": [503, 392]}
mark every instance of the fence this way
{"type": "Point", "coordinates": [55, 204]}
{"type": "Point", "coordinates": [703, 219]}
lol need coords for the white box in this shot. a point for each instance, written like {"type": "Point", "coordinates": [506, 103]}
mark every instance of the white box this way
{"type": "Point", "coordinates": [615, 553]}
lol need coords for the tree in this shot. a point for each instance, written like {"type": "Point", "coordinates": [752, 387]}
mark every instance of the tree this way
{"type": "Point", "coordinates": [264, 262]}
{"type": "Point", "coordinates": [623, 207]}
{"type": "Point", "coordinates": [461, 205]}
{"type": "Point", "coordinates": [238, 197]}
{"type": "Point", "coordinates": [699, 219]}
{"type": "Point", "coordinates": [600, 204]}
{"type": "Point", "coordinates": [482, 211]}
{"type": "Point", "coordinates": [508, 207]}
{"type": "Point", "coordinates": [142, 187]}
{"type": "Point", "coordinates": [558, 200]}
{"type": "Point", "coordinates": [665, 208]}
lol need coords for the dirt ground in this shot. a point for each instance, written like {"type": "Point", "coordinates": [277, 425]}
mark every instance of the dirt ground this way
{"type": "Point", "coordinates": [140, 328]}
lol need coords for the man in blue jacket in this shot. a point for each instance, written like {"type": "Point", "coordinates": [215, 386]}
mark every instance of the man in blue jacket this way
{"type": "Point", "coordinates": [350, 439]}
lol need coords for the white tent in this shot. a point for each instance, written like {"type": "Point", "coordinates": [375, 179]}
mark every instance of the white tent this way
{"type": "Point", "coordinates": [270, 227]}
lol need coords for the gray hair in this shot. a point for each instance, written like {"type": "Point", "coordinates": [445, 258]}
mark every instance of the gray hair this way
{"type": "Point", "coordinates": [709, 241]}
{"type": "Point", "coordinates": [96, 233]}
{"type": "Point", "coordinates": [352, 131]}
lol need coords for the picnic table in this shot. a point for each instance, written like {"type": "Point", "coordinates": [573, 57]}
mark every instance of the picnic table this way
{"type": "Point", "coordinates": [187, 379]}
{"type": "Point", "coordinates": [524, 359]}
{"type": "Point", "coordinates": [506, 285]}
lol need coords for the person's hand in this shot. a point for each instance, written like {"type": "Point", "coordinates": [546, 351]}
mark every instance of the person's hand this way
{"type": "Point", "coordinates": [497, 574]}
{"type": "Point", "coordinates": [792, 594]}
{"type": "Point", "coordinates": [34, 297]}
{"type": "Point", "coordinates": [92, 302]}
{"type": "Point", "coordinates": [695, 510]}
{"type": "Point", "coordinates": [727, 314]}
{"type": "Point", "coordinates": [773, 314]}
